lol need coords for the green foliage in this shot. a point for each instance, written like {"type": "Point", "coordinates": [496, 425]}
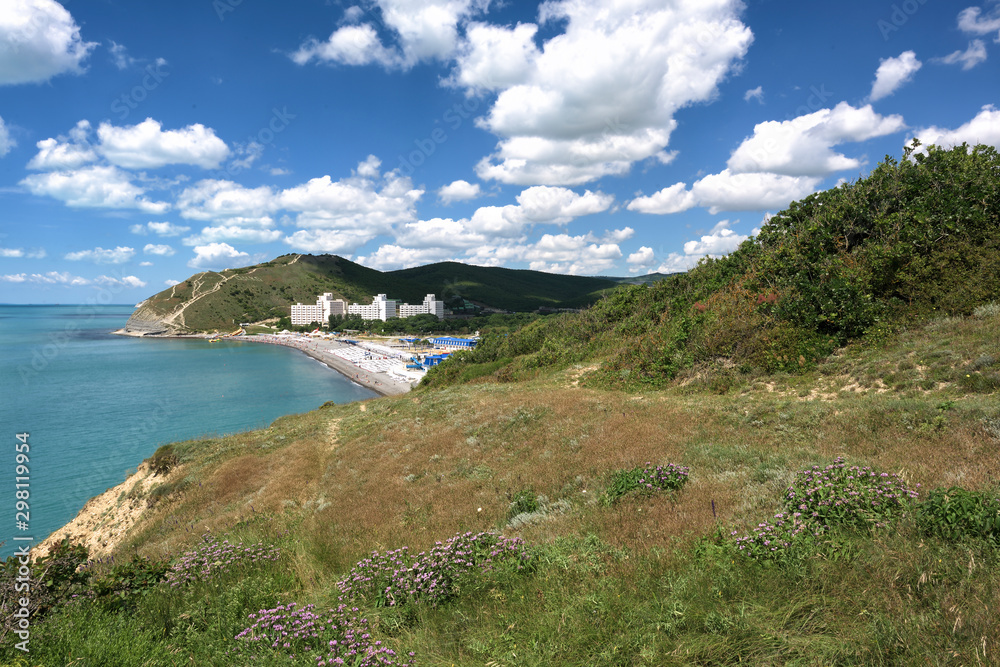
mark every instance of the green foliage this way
{"type": "Point", "coordinates": [524, 501]}
{"type": "Point", "coordinates": [121, 586]}
{"type": "Point", "coordinates": [50, 580]}
{"type": "Point", "coordinates": [956, 515]}
{"type": "Point", "coordinates": [163, 460]}
{"type": "Point", "coordinates": [59, 569]}
{"type": "Point", "coordinates": [645, 479]}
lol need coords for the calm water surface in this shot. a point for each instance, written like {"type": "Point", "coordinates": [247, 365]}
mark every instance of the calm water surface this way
{"type": "Point", "coordinates": [95, 405]}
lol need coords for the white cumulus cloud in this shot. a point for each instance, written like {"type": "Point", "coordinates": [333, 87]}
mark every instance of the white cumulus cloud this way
{"type": "Point", "coordinates": [146, 145]}
{"type": "Point", "coordinates": [459, 190]}
{"type": "Point", "coordinates": [972, 20]}
{"type": "Point", "coordinates": [40, 40]}
{"type": "Point", "coordinates": [494, 57]}
{"type": "Point", "coordinates": [65, 152]}
{"type": "Point", "coordinates": [423, 31]}
{"type": "Point", "coordinates": [363, 205]}
{"type": "Point", "coordinates": [984, 128]}
{"type": "Point", "coordinates": [391, 257]}
{"type": "Point", "coordinates": [348, 45]}
{"type": "Point", "coordinates": [95, 186]}
{"type": "Point", "coordinates": [158, 249]}
{"type": "Point", "coordinates": [672, 199]}
{"type": "Point", "coordinates": [225, 200]}
{"type": "Point", "coordinates": [720, 241]}
{"type": "Point", "coordinates": [53, 154]}
{"type": "Point", "coordinates": [727, 191]}
{"type": "Point", "coordinates": [218, 256]}
{"type": "Point", "coordinates": [602, 94]}
{"type": "Point", "coordinates": [583, 254]}
{"type": "Point", "coordinates": [803, 146]}
{"type": "Point", "coordinates": [641, 259]}
{"type": "Point", "coordinates": [893, 73]}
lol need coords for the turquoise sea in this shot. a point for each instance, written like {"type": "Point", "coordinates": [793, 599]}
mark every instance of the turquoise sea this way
{"type": "Point", "coordinates": [95, 405]}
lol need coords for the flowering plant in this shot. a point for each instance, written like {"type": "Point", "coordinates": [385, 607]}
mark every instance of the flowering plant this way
{"type": "Point", "coordinates": [212, 558]}
{"type": "Point", "coordinates": [646, 479]}
{"type": "Point", "coordinates": [337, 636]}
{"type": "Point", "coordinates": [397, 577]}
{"type": "Point", "coordinates": [837, 495]}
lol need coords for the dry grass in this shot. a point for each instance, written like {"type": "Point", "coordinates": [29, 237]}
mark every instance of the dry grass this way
{"type": "Point", "coordinates": [416, 469]}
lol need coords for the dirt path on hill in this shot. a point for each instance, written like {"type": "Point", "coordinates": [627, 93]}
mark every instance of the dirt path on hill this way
{"type": "Point", "coordinates": [172, 319]}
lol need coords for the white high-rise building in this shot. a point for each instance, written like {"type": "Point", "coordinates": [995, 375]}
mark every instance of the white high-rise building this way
{"type": "Point", "coordinates": [381, 308]}
{"type": "Point", "coordinates": [319, 313]}
{"type": "Point", "coordinates": [430, 306]}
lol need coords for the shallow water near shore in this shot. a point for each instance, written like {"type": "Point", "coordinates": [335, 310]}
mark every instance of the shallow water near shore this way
{"type": "Point", "coordinates": [95, 404]}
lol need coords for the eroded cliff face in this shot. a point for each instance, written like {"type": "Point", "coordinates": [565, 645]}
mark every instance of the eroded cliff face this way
{"type": "Point", "coordinates": [146, 321]}
{"type": "Point", "coordinates": [106, 519]}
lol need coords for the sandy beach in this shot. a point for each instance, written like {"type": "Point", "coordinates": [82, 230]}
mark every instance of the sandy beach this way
{"type": "Point", "coordinates": [384, 384]}
{"type": "Point", "coordinates": [322, 350]}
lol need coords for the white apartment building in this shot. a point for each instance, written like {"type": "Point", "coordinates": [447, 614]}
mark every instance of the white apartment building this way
{"type": "Point", "coordinates": [320, 313]}
{"type": "Point", "coordinates": [430, 306]}
{"type": "Point", "coordinates": [381, 308]}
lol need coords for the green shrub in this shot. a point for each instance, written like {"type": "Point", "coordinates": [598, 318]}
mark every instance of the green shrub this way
{"type": "Point", "coordinates": [956, 514]}
{"type": "Point", "coordinates": [163, 460]}
{"type": "Point", "coordinates": [524, 501]}
{"type": "Point", "coordinates": [123, 584]}
{"type": "Point", "coordinates": [645, 479]}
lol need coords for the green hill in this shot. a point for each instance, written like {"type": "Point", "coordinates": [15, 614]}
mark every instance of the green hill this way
{"type": "Point", "coordinates": [916, 238]}
{"type": "Point", "coordinates": [217, 301]}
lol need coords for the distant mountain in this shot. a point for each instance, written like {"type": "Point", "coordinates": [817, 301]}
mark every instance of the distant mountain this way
{"type": "Point", "coordinates": [218, 301]}
{"type": "Point", "coordinates": [647, 279]}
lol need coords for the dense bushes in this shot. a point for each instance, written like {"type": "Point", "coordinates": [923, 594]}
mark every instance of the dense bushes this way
{"type": "Point", "coordinates": [956, 514]}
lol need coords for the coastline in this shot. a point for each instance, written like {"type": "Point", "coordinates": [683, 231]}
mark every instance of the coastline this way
{"type": "Point", "coordinates": [321, 350]}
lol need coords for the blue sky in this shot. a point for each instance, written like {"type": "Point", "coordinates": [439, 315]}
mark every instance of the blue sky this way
{"type": "Point", "coordinates": [143, 142]}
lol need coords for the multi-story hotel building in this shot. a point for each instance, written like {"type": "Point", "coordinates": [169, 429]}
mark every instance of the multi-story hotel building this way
{"type": "Point", "coordinates": [320, 313]}
{"type": "Point", "coordinates": [381, 308]}
{"type": "Point", "coordinates": [430, 306]}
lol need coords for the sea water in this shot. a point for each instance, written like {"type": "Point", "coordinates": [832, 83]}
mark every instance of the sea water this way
{"type": "Point", "coordinates": [94, 404]}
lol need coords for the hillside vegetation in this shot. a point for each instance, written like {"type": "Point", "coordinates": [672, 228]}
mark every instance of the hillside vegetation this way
{"type": "Point", "coordinates": [732, 505]}
{"type": "Point", "coordinates": [213, 301]}
{"type": "Point", "coordinates": [916, 238]}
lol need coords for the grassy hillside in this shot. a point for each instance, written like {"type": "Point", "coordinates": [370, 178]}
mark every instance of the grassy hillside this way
{"type": "Point", "coordinates": [917, 238]}
{"type": "Point", "coordinates": [217, 300]}
{"type": "Point", "coordinates": [603, 576]}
